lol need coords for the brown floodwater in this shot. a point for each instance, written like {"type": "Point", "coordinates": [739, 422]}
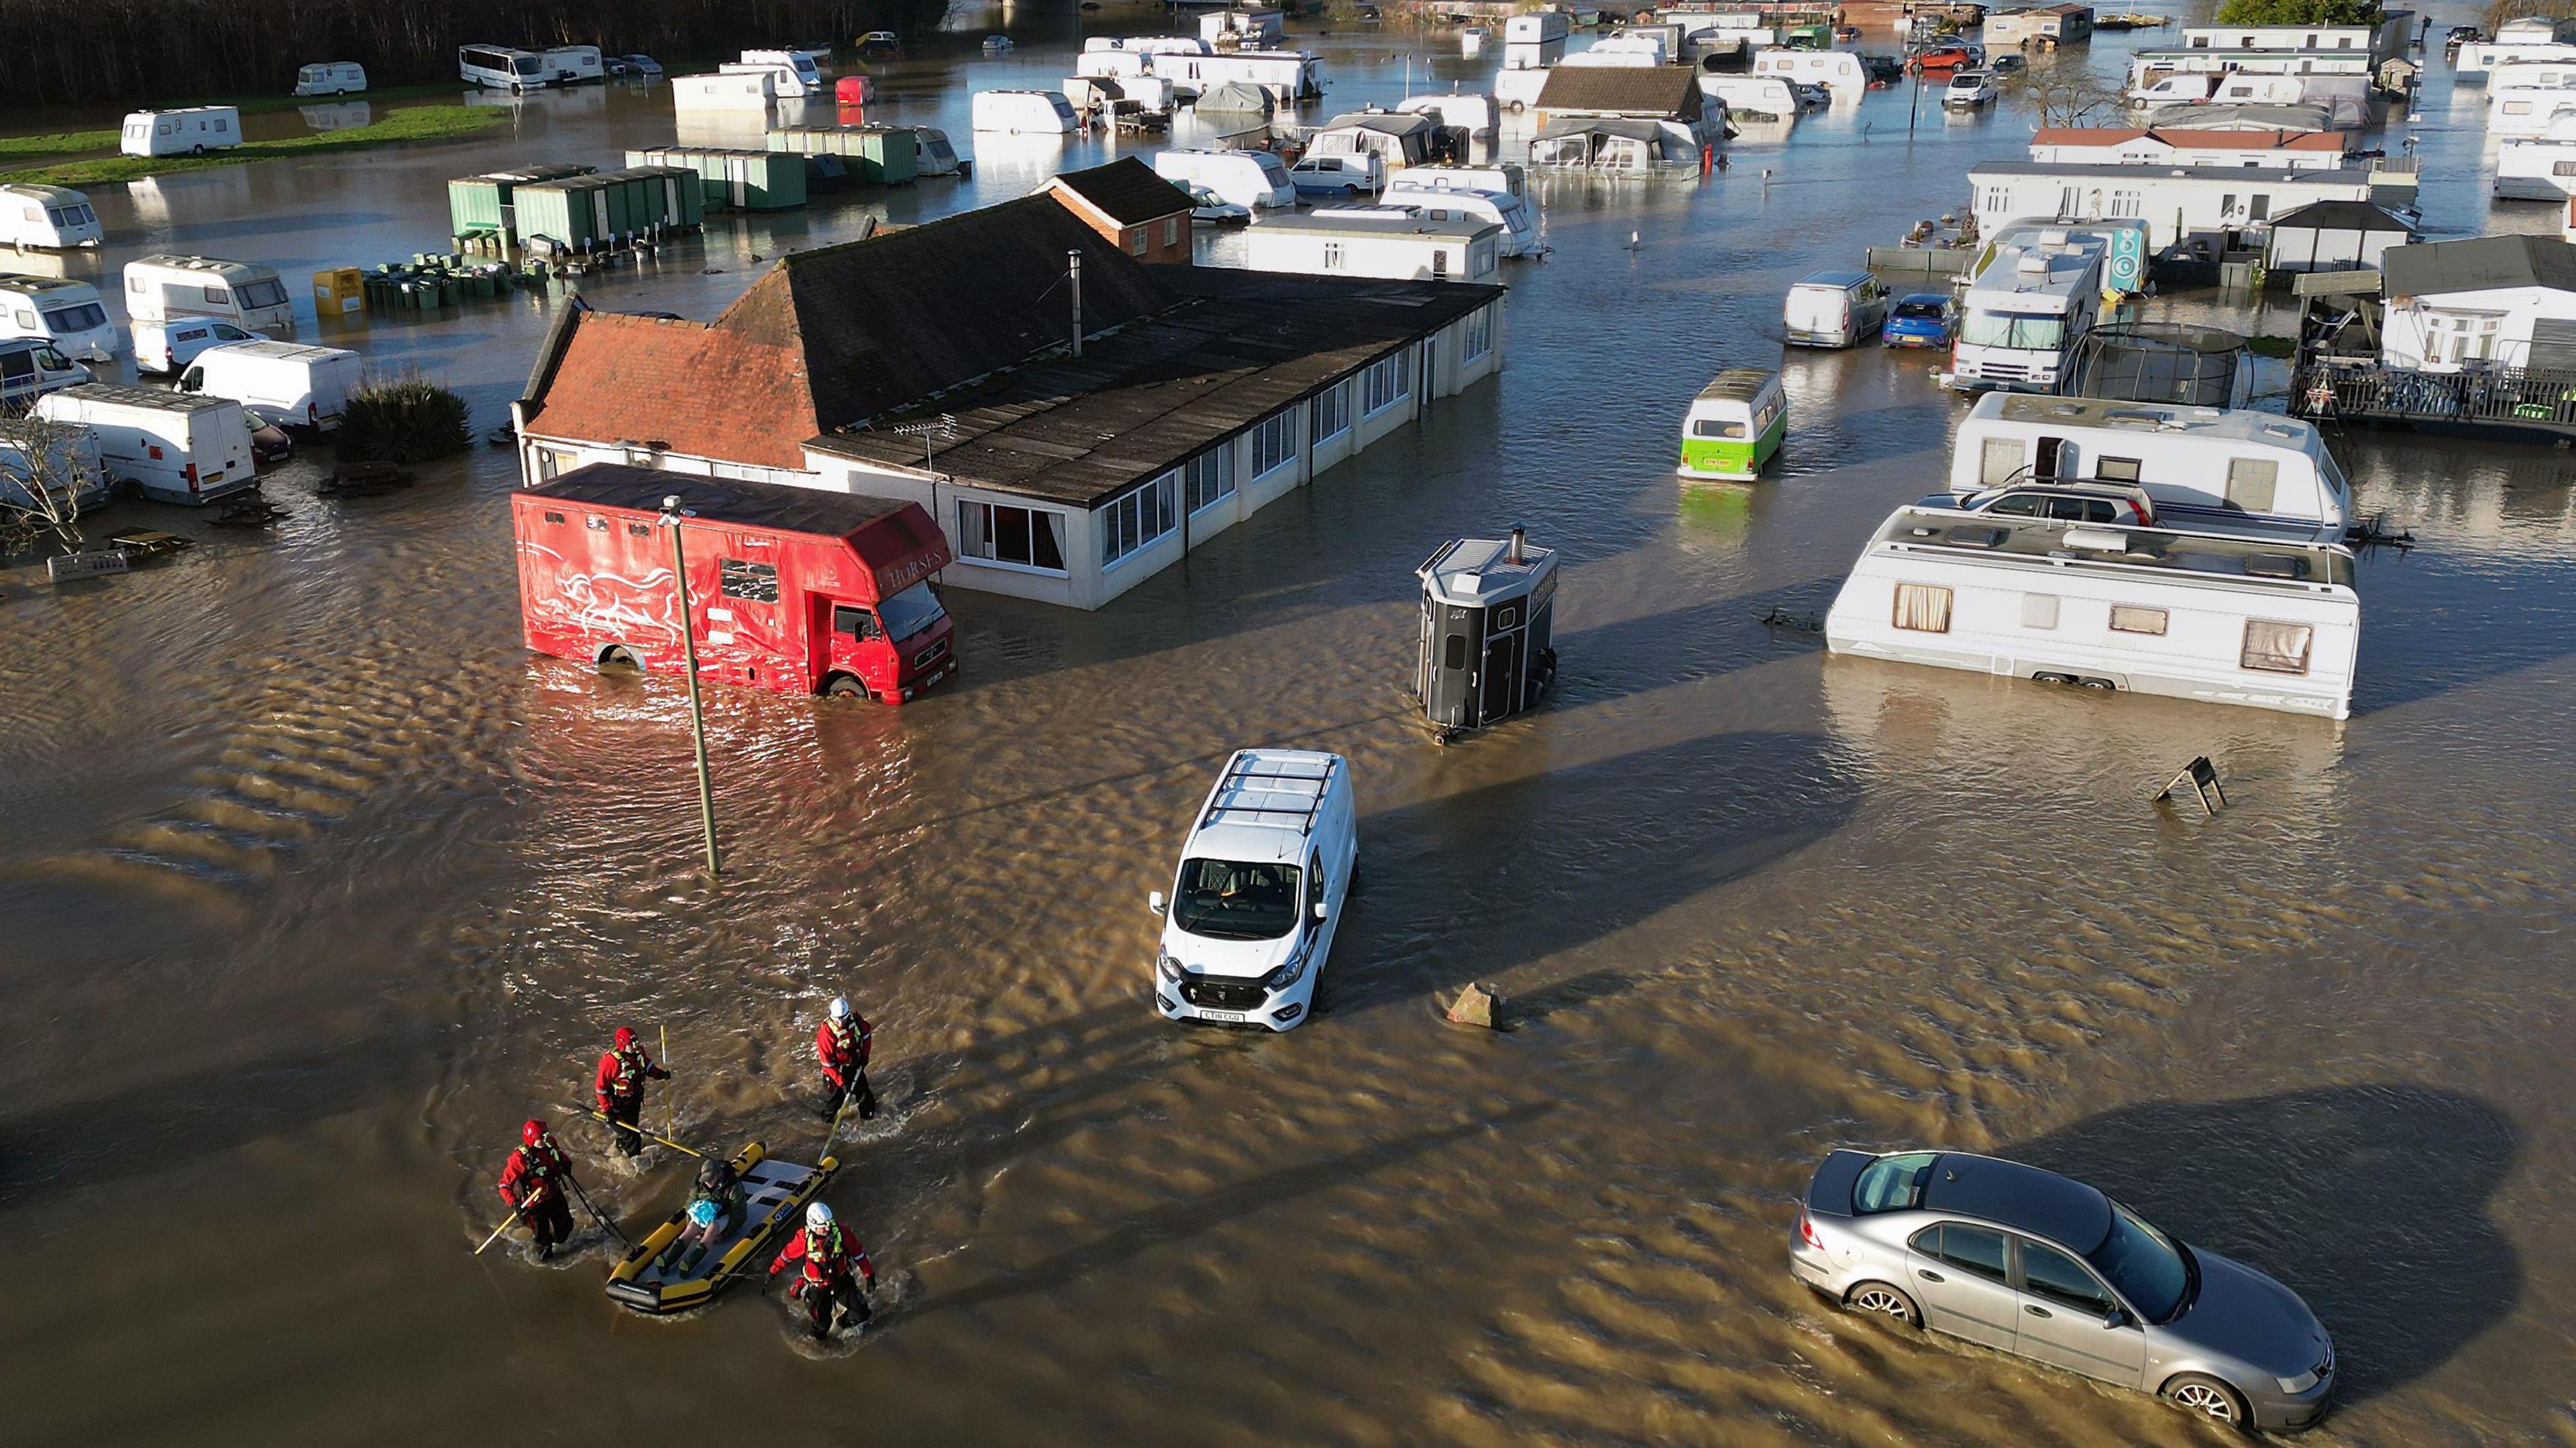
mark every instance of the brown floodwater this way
{"type": "Point", "coordinates": [315, 884]}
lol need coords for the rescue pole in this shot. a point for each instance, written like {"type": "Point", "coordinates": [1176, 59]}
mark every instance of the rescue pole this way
{"type": "Point", "coordinates": [689, 650]}
{"type": "Point", "coordinates": [597, 1115]}
{"type": "Point", "coordinates": [497, 1231]}
{"type": "Point", "coordinates": [670, 1102]}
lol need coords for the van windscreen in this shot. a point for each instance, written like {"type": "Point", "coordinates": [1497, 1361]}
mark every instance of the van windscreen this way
{"type": "Point", "coordinates": [1224, 900]}
{"type": "Point", "coordinates": [911, 611]}
{"type": "Point", "coordinates": [526, 65]}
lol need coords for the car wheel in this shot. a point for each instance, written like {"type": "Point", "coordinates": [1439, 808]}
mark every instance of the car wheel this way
{"type": "Point", "coordinates": [845, 687]}
{"type": "Point", "coordinates": [2207, 1397]}
{"type": "Point", "coordinates": [1882, 1300]}
{"type": "Point", "coordinates": [615, 659]}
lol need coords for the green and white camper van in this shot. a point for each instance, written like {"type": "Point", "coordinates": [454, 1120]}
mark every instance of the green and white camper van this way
{"type": "Point", "coordinates": [1735, 425]}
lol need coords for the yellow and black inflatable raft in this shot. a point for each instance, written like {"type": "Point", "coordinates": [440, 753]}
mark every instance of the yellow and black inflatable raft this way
{"type": "Point", "coordinates": [774, 1192]}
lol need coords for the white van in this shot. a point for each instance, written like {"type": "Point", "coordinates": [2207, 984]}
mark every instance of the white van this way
{"type": "Point", "coordinates": [784, 82]}
{"type": "Point", "coordinates": [573, 64]}
{"type": "Point", "coordinates": [1024, 112]}
{"type": "Point", "coordinates": [331, 78]}
{"type": "Point", "coordinates": [799, 65]}
{"type": "Point", "coordinates": [280, 382]}
{"type": "Point", "coordinates": [191, 132]}
{"type": "Point", "coordinates": [1259, 891]}
{"type": "Point", "coordinates": [1834, 309]}
{"type": "Point", "coordinates": [1251, 179]}
{"type": "Point", "coordinates": [1343, 175]}
{"type": "Point", "coordinates": [246, 294]}
{"type": "Point", "coordinates": [46, 216]}
{"type": "Point", "coordinates": [501, 67]}
{"type": "Point", "coordinates": [69, 314]}
{"type": "Point", "coordinates": [171, 345]}
{"type": "Point", "coordinates": [30, 367]}
{"type": "Point", "coordinates": [2174, 90]}
{"type": "Point", "coordinates": [62, 453]}
{"type": "Point", "coordinates": [176, 448]}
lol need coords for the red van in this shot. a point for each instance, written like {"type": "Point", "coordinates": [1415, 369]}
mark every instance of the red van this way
{"type": "Point", "coordinates": [794, 590]}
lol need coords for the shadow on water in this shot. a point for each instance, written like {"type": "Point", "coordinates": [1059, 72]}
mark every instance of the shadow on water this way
{"type": "Point", "coordinates": [2371, 1202]}
{"type": "Point", "coordinates": [2453, 634]}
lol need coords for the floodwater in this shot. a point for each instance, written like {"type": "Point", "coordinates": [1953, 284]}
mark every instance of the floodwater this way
{"type": "Point", "coordinates": [315, 884]}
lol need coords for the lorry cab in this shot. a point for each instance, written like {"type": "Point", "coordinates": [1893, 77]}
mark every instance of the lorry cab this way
{"type": "Point", "coordinates": [1259, 891]}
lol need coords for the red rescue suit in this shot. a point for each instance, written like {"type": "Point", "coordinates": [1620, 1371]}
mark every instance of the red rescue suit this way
{"type": "Point", "coordinates": [843, 1049]}
{"type": "Point", "coordinates": [531, 1173]}
{"type": "Point", "coordinates": [824, 1257]}
{"type": "Point", "coordinates": [621, 1079]}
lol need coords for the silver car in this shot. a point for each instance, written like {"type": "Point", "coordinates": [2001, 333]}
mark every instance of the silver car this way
{"type": "Point", "coordinates": [2025, 1260]}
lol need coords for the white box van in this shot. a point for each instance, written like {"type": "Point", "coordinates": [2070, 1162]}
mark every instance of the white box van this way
{"type": "Point", "coordinates": [1024, 112]}
{"type": "Point", "coordinates": [1259, 892]}
{"type": "Point", "coordinates": [573, 64]}
{"type": "Point", "coordinates": [68, 314]}
{"type": "Point", "coordinates": [1252, 179]}
{"type": "Point", "coordinates": [246, 294]}
{"type": "Point", "coordinates": [286, 383]}
{"type": "Point", "coordinates": [31, 367]}
{"type": "Point", "coordinates": [191, 132]}
{"type": "Point", "coordinates": [799, 65]}
{"type": "Point", "coordinates": [176, 448]}
{"type": "Point", "coordinates": [331, 78]}
{"type": "Point", "coordinates": [170, 346]}
{"type": "Point", "coordinates": [1834, 309]}
{"type": "Point", "coordinates": [46, 216]}
{"type": "Point", "coordinates": [67, 456]}
{"type": "Point", "coordinates": [501, 67]}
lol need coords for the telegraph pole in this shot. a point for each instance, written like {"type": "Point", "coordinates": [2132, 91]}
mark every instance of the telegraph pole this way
{"type": "Point", "coordinates": [697, 711]}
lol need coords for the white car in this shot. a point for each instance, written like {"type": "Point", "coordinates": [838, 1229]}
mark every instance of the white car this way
{"type": "Point", "coordinates": [1215, 210]}
{"type": "Point", "coordinates": [1259, 891]}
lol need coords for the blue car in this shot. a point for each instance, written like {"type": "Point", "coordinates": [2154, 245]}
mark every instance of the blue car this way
{"type": "Point", "coordinates": [1921, 319]}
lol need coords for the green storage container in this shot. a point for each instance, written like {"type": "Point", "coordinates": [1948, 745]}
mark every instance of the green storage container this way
{"type": "Point", "coordinates": [742, 180]}
{"type": "Point", "coordinates": [571, 214]}
{"type": "Point", "coordinates": [484, 203]}
{"type": "Point", "coordinates": [875, 155]}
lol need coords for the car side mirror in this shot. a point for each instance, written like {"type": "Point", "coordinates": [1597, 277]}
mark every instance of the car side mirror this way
{"type": "Point", "coordinates": [1323, 910]}
{"type": "Point", "coordinates": [2115, 1318]}
{"type": "Point", "coordinates": [1154, 902]}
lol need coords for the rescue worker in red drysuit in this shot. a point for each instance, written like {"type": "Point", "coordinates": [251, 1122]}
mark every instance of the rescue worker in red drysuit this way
{"type": "Point", "coordinates": [532, 1182]}
{"type": "Point", "coordinates": [842, 1044]}
{"type": "Point", "coordinates": [623, 1070]}
{"type": "Point", "coordinates": [825, 1257]}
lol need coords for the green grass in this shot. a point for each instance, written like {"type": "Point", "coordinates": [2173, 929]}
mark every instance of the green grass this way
{"type": "Point", "coordinates": [61, 143]}
{"type": "Point", "coordinates": [419, 123]}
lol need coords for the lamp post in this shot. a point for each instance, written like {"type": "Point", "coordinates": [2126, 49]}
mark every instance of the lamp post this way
{"type": "Point", "coordinates": [689, 651]}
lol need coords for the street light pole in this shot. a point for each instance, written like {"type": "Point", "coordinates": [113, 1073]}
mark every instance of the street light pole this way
{"type": "Point", "coordinates": [697, 711]}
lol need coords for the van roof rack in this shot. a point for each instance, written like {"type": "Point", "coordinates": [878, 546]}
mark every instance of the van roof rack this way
{"type": "Point", "coordinates": [1241, 774]}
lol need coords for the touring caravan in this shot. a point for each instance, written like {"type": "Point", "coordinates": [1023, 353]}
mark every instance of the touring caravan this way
{"type": "Point", "coordinates": [1024, 112]}
{"type": "Point", "coordinates": [331, 78]}
{"type": "Point", "coordinates": [788, 82]}
{"type": "Point", "coordinates": [938, 158]}
{"type": "Point", "coordinates": [69, 314]}
{"type": "Point", "coordinates": [1256, 180]}
{"type": "Point", "coordinates": [1753, 97]}
{"type": "Point", "coordinates": [1839, 71]}
{"type": "Point", "coordinates": [190, 132]}
{"type": "Point", "coordinates": [2024, 312]}
{"type": "Point", "coordinates": [500, 67]}
{"type": "Point", "coordinates": [1442, 199]}
{"type": "Point", "coordinates": [2266, 624]}
{"type": "Point", "coordinates": [176, 448]}
{"type": "Point", "coordinates": [158, 288]}
{"type": "Point", "coordinates": [280, 382]}
{"type": "Point", "coordinates": [573, 65]}
{"type": "Point", "coordinates": [46, 216]}
{"type": "Point", "coordinates": [2204, 467]}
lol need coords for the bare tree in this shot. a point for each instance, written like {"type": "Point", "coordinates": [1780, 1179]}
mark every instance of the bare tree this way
{"type": "Point", "coordinates": [2064, 93]}
{"type": "Point", "coordinates": [45, 470]}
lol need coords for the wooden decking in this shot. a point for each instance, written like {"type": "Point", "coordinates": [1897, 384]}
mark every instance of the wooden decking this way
{"type": "Point", "coordinates": [2536, 404]}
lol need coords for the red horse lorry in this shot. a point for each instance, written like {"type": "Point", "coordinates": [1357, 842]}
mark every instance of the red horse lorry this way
{"type": "Point", "coordinates": [794, 590]}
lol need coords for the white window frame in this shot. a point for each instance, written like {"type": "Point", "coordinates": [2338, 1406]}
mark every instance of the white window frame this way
{"type": "Point", "coordinates": [1216, 464]}
{"type": "Point", "coordinates": [1146, 514]}
{"type": "Point", "coordinates": [1332, 403]}
{"type": "Point", "coordinates": [1478, 333]}
{"type": "Point", "coordinates": [1037, 520]}
{"type": "Point", "coordinates": [1386, 383]}
{"type": "Point", "coordinates": [1274, 442]}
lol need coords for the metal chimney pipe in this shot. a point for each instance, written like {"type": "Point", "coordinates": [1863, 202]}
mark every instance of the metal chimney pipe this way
{"type": "Point", "coordinates": [1075, 258]}
{"type": "Point", "coordinates": [1520, 535]}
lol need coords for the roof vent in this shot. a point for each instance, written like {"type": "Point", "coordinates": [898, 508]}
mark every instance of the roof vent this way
{"type": "Point", "coordinates": [2097, 540]}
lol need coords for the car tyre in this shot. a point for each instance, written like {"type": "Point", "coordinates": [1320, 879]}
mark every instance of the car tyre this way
{"type": "Point", "coordinates": [845, 687]}
{"type": "Point", "coordinates": [616, 660]}
{"type": "Point", "coordinates": [1883, 1299]}
{"type": "Point", "coordinates": [2206, 1397]}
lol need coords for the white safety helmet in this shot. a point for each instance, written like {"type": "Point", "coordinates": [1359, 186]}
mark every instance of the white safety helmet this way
{"type": "Point", "coordinates": [840, 1008]}
{"type": "Point", "coordinates": [817, 1217]}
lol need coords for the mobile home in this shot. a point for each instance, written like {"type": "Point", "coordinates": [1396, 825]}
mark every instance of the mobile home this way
{"type": "Point", "coordinates": [2531, 110]}
{"type": "Point", "coordinates": [2220, 618]}
{"type": "Point", "coordinates": [1401, 242]}
{"type": "Point", "coordinates": [2538, 168]}
{"type": "Point", "coordinates": [1535, 41]}
{"type": "Point", "coordinates": [2176, 202]}
{"type": "Point", "coordinates": [501, 67]}
{"type": "Point", "coordinates": [246, 294]}
{"type": "Point", "coordinates": [2474, 62]}
{"type": "Point", "coordinates": [1838, 71]}
{"type": "Point", "coordinates": [2024, 312]}
{"type": "Point", "coordinates": [46, 216]}
{"type": "Point", "coordinates": [331, 78]}
{"type": "Point", "coordinates": [1023, 112]}
{"type": "Point", "coordinates": [69, 314]}
{"type": "Point", "coordinates": [190, 132]}
{"type": "Point", "coordinates": [725, 90]}
{"type": "Point", "coordinates": [176, 448]}
{"type": "Point", "coordinates": [2204, 467]}
{"type": "Point", "coordinates": [1291, 76]}
{"type": "Point", "coordinates": [2376, 41]}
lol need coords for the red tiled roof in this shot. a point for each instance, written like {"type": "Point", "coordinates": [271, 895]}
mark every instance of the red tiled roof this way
{"type": "Point", "coordinates": [2190, 140]}
{"type": "Point", "coordinates": [680, 386]}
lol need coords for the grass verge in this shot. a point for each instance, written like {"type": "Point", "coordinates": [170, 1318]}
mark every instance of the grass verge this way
{"type": "Point", "coordinates": [60, 143]}
{"type": "Point", "coordinates": [419, 123]}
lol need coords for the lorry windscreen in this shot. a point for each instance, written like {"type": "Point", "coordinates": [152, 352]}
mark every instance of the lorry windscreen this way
{"type": "Point", "coordinates": [1224, 900]}
{"type": "Point", "coordinates": [911, 611]}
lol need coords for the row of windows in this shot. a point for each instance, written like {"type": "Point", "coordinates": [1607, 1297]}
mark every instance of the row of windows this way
{"type": "Point", "coordinates": [2269, 647]}
{"type": "Point", "coordinates": [1138, 518]}
{"type": "Point", "coordinates": [1480, 332]}
{"type": "Point", "coordinates": [1385, 384]}
{"type": "Point", "coordinates": [1272, 443]}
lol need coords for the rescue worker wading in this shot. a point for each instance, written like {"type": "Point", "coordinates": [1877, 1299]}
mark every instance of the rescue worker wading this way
{"type": "Point", "coordinates": [532, 1182]}
{"type": "Point", "coordinates": [826, 1256]}
{"type": "Point", "coordinates": [620, 1086]}
{"type": "Point", "coordinates": [842, 1043]}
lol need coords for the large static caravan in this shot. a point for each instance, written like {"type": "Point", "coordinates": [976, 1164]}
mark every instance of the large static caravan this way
{"type": "Point", "coordinates": [735, 180]}
{"type": "Point", "coordinates": [2531, 110]}
{"type": "Point", "coordinates": [1404, 243]}
{"type": "Point", "coordinates": [2169, 146]}
{"type": "Point", "coordinates": [2475, 62]}
{"type": "Point", "coordinates": [2479, 302]}
{"type": "Point", "coordinates": [247, 294]}
{"type": "Point", "coordinates": [2204, 467]}
{"type": "Point", "coordinates": [1291, 76]}
{"type": "Point", "coordinates": [190, 132]}
{"type": "Point", "coordinates": [1149, 44]}
{"type": "Point", "coordinates": [2044, 26]}
{"type": "Point", "coordinates": [750, 90]}
{"type": "Point", "coordinates": [501, 67]}
{"type": "Point", "coordinates": [2218, 618]}
{"type": "Point", "coordinates": [2538, 168]}
{"type": "Point", "coordinates": [2177, 203]}
{"type": "Point", "coordinates": [46, 216]}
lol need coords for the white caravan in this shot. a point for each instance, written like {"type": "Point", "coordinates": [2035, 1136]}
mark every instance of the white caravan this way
{"type": "Point", "coordinates": [1473, 112]}
{"type": "Point", "coordinates": [1255, 180]}
{"type": "Point", "coordinates": [2538, 168]}
{"type": "Point", "coordinates": [2219, 618]}
{"type": "Point", "coordinates": [190, 132]}
{"type": "Point", "coordinates": [501, 67]}
{"type": "Point", "coordinates": [2205, 468]}
{"type": "Point", "coordinates": [1839, 71]}
{"type": "Point", "coordinates": [1518, 90]}
{"type": "Point", "coordinates": [2475, 61]}
{"type": "Point", "coordinates": [1290, 76]}
{"type": "Point", "coordinates": [65, 456]}
{"type": "Point", "coordinates": [2532, 110]}
{"type": "Point", "coordinates": [1623, 52]}
{"type": "Point", "coordinates": [938, 158]}
{"type": "Point", "coordinates": [246, 294]}
{"type": "Point", "coordinates": [1753, 97]}
{"type": "Point", "coordinates": [1402, 243]}
{"type": "Point", "coordinates": [1442, 199]}
{"type": "Point", "coordinates": [1024, 112]}
{"type": "Point", "coordinates": [785, 82]}
{"type": "Point", "coordinates": [279, 382]}
{"type": "Point", "coordinates": [740, 90]}
{"type": "Point", "coordinates": [573, 64]}
{"type": "Point", "coordinates": [1535, 41]}
{"type": "Point", "coordinates": [2024, 312]}
{"type": "Point", "coordinates": [799, 64]}
{"type": "Point", "coordinates": [69, 314]}
{"type": "Point", "coordinates": [1259, 892]}
{"type": "Point", "coordinates": [331, 78]}
{"type": "Point", "coordinates": [175, 448]}
{"type": "Point", "coordinates": [46, 216]}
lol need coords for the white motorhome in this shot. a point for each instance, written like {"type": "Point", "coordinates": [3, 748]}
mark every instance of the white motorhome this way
{"type": "Point", "coordinates": [280, 382]}
{"type": "Point", "coordinates": [787, 83]}
{"type": "Point", "coordinates": [190, 132]}
{"type": "Point", "coordinates": [246, 294]}
{"type": "Point", "coordinates": [30, 367]}
{"type": "Point", "coordinates": [331, 78]}
{"type": "Point", "coordinates": [1024, 112]}
{"type": "Point", "coordinates": [172, 345]}
{"type": "Point", "coordinates": [1256, 180]}
{"type": "Point", "coordinates": [1399, 242]}
{"type": "Point", "coordinates": [1839, 71]}
{"type": "Point", "coordinates": [1754, 97]}
{"type": "Point", "coordinates": [1290, 76]}
{"type": "Point", "coordinates": [1442, 198]}
{"type": "Point", "coordinates": [2024, 312]}
{"type": "Point", "coordinates": [2206, 468]}
{"type": "Point", "coordinates": [734, 90]}
{"type": "Point", "coordinates": [65, 457]}
{"type": "Point", "coordinates": [175, 448]}
{"type": "Point", "coordinates": [2225, 619]}
{"type": "Point", "coordinates": [1259, 892]}
{"type": "Point", "coordinates": [573, 64]}
{"type": "Point", "coordinates": [46, 216]}
{"type": "Point", "coordinates": [501, 67]}
{"type": "Point", "coordinates": [69, 314]}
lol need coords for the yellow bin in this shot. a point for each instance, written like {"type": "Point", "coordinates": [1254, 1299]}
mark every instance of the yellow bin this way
{"type": "Point", "coordinates": [339, 293]}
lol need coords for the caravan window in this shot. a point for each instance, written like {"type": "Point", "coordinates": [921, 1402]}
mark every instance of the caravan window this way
{"type": "Point", "coordinates": [2276, 648]}
{"type": "Point", "coordinates": [2137, 620]}
{"type": "Point", "coordinates": [217, 297]}
{"type": "Point", "coordinates": [1922, 607]}
{"type": "Point", "coordinates": [2252, 483]}
{"type": "Point", "coordinates": [263, 294]}
{"type": "Point", "coordinates": [1999, 460]}
{"type": "Point", "coordinates": [2116, 470]}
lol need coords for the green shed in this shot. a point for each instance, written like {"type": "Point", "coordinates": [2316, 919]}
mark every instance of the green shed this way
{"type": "Point", "coordinates": [875, 155]}
{"type": "Point", "coordinates": [742, 180]}
{"type": "Point", "coordinates": [478, 204]}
